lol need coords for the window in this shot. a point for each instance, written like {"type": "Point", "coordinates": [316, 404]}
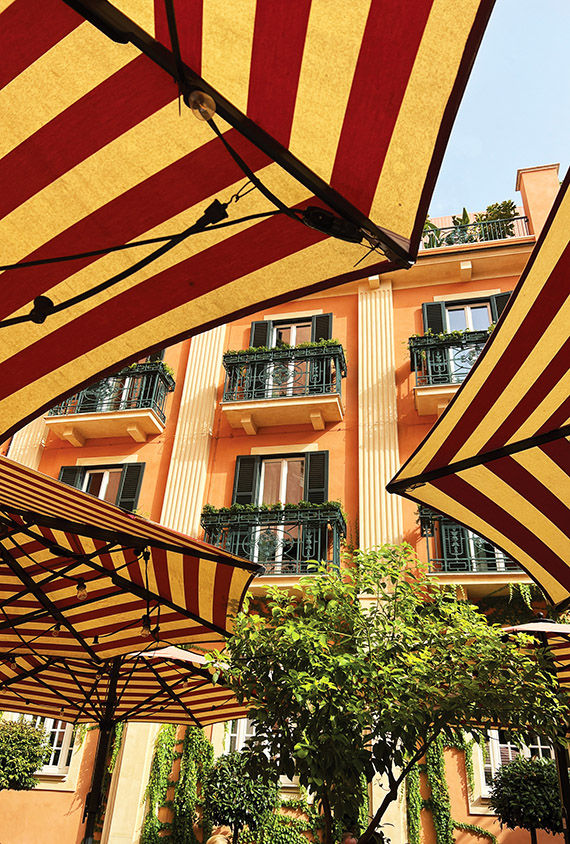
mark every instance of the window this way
{"type": "Point", "coordinates": [498, 750]}
{"type": "Point", "coordinates": [237, 732]}
{"type": "Point", "coordinates": [118, 484]}
{"type": "Point", "coordinates": [281, 478]}
{"type": "Point", "coordinates": [472, 314]}
{"type": "Point", "coordinates": [291, 332]}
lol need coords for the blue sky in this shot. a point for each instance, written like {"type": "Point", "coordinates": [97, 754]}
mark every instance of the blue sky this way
{"type": "Point", "coordinates": [516, 108]}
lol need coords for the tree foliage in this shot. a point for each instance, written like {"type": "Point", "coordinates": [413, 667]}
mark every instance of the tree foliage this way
{"type": "Point", "coordinates": [525, 793]}
{"type": "Point", "coordinates": [358, 672]}
{"type": "Point", "coordinates": [23, 750]}
{"type": "Point", "coordinates": [234, 798]}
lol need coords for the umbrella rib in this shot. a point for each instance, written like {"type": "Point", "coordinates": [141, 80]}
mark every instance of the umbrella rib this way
{"type": "Point", "coordinates": [486, 457]}
{"type": "Point", "coordinates": [53, 610]}
{"type": "Point", "coordinates": [31, 672]}
{"type": "Point", "coordinates": [172, 694]}
{"type": "Point", "coordinates": [87, 694]}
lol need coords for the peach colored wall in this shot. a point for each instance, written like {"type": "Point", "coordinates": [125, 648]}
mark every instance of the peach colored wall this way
{"type": "Point", "coordinates": [457, 784]}
{"type": "Point", "coordinates": [407, 321]}
{"type": "Point", "coordinates": [339, 439]}
{"type": "Point", "coordinates": [41, 816]}
{"type": "Point", "coordinates": [154, 453]}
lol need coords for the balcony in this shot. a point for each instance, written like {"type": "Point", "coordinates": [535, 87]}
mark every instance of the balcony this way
{"type": "Point", "coordinates": [441, 362]}
{"type": "Point", "coordinates": [282, 539]}
{"type": "Point", "coordinates": [476, 232]}
{"type": "Point", "coordinates": [284, 386]}
{"type": "Point", "coordinates": [453, 549]}
{"type": "Point", "coordinates": [130, 403]}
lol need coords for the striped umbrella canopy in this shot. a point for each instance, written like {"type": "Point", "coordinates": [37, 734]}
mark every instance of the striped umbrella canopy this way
{"type": "Point", "coordinates": [555, 637]}
{"type": "Point", "coordinates": [82, 578]}
{"type": "Point", "coordinates": [127, 224]}
{"type": "Point", "coordinates": [498, 459]}
{"type": "Point", "coordinates": [168, 686]}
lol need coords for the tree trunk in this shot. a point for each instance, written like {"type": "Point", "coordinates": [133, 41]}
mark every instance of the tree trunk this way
{"type": "Point", "coordinates": [533, 836]}
{"type": "Point", "coordinates": [327, 816]}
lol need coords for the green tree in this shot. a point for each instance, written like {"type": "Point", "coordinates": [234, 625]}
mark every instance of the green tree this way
{"type": "Point", "coordinates": [233, 797]}
{"type": "Point", "coordinates": [525, 793]}
{"type": "Point", "coordinates": [359, 671]}
{"type": "Point", "coordinates": [23, 750]}
{"type": "Point", "coordinates": [505, 212]}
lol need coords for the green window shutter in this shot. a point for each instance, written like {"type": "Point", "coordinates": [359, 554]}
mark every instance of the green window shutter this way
{"type": "Point", "coordinates": [246, 480]}
{"type": "Point", "coordinates": [317, 477]}
{"type": "Point", "coordinates": [498, 304]}
{"type": "Point", "coordinates": [259, 335]}
{"type": "Point", "coordinates": [321, 327]}
{"type": "Point", "coordinates": [72, 475]}
{"type": "Point", "coordinates": [129, 486]}
{"type": "Point", "coordinates": [434, 317]}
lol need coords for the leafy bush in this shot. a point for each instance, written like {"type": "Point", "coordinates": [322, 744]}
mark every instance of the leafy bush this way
{"type": "Point", "coordinates": [23, 750]}
{"type": "Point", "coordinates": [525, 793]}
{"type": "Point", "coordinates": [234, 797]}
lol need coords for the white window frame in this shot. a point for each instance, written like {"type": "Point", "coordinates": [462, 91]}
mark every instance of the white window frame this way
{"type": "Point", "coordinates": [106, 472]}
{"type": "Point", "coordinates": [288, 383]}
{"type": "Point", "coordinates": [62, 768]}
{"type": "Point", "coordinates": [466, 308]}
{"type": "Point", "coordinates": [240, 729]}
{"type": "Point", "coordinates": [500, 559]}
{"type": "Point", "coordinates": [493, 749]}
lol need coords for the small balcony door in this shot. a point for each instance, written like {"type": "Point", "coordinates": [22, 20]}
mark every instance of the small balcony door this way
{"type": "Point", "coordinates": [288, 377]}
{"type": "Point", "coordinates": [282, 481]}
{"type": "Point", "coordinates": [466, 317]}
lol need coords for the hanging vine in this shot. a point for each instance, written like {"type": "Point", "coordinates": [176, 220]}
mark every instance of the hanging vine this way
{"type": "Point", "coordinates": [439, 803]}
{"type": "Point", "coordinates": [196, 754]}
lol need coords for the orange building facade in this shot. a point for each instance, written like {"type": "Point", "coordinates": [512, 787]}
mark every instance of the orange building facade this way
{"type": "Point", "coordinates": [276, 435]}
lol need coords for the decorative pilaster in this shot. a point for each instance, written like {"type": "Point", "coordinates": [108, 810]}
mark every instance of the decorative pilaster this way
{"type": "Point", "coordinates": [187, 473]}
{"type": "Point", "coordinates": [28, 443]}
{"type": "Point", "coordinates": [380, 514]}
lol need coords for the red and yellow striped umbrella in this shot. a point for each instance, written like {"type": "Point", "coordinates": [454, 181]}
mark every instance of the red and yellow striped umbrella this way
{"type": "Point", "coordinates": [337, 113]}
{"type": "Point", "coordinates": [498, 459]}
{"type": "Point", "coordinates": [170, 686]}
{"type": "Point", "coordinates": [82, 578]}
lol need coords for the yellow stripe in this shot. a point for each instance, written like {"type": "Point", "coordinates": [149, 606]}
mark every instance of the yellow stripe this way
{"type": "Point", "coordinates": [82, 60]}
{"type": "Point", "coordinates": [227, 41]}
{"type": "Point", "coordinates": [544, 411]}
{"type": "Point", "coordinates": [139, 11]}
{"type": "Point", "coordinates": [444, 503]}
{"type": "Point", "coordinates": [415, 133]}
{"type": "Point", "coordinates": [545, 470]}
{"type": "Point", "coordinates": [548, 255]}
{"type": "Point", "coordinates": [206, 580]}
{"type": "Point", "coordinates": [324, 86]}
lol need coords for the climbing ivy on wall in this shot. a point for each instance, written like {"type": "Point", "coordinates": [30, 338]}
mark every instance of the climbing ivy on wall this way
{"type": "Point", "coordinates": [196, 754]}
{"type": "Point", "coordinates": [438, 803]}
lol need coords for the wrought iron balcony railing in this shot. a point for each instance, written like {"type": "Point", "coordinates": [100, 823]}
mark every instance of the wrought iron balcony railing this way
{"type": "Point", "coordinates": [145, 385]}
{"type": "Point", "coordinates": [282, 540]}
{"type": "Point", "coordinates": [435, 237]}
{"type": "Point", "coordinates": [452, 548]}
{"type": "Point", "coordinates": [445, 359]}
{"type": "Point", "coordinates": [283, 372]}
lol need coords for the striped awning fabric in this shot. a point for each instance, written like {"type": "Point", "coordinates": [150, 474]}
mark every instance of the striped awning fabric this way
{"type": "Point", "coordinates": [81, 577]}
{"type": "Point", "coordinates": [169, 686]}
{"type": "Point", "coordinates": [498, 459]}
{"type": "Point", "coordinates": [342, 107]}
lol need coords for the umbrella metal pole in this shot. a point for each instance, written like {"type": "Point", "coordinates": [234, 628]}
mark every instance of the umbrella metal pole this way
{"type": "Point", "coordinates": [92, 804]}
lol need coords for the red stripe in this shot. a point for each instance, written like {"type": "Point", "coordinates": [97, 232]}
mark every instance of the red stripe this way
{"type": "Point", "coordinates": [389, 46]}
{"type": "Point", "coordinates": [535, 324]}
{"type": "Point", "coordinates": [29, 28]}
{"type": "Point", "coordinates": [557, 419]}
{"type": "Point", "coordinates": [213, 268]}
{"type": "Point", "coordinates": [521, 480]}
{"type": "Point", "coordinates": [278, 42]}
{"type": "Point", "coordinates": [126, 98]}
{"type": "Point", "coordinates": [189, 21]}
{"type": "Point", "coordinates": [160, 569]}
{"type": "Point", "coordinates": [559, 453]}
{"type": "Point", "coordinates": [507, 524]}
{"type": "Point", "coordinates": [548, 379]}
{"type": "Point", "coordinates": [181, 185]}
{"type": "Point", "coordinates": [222, 583]}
